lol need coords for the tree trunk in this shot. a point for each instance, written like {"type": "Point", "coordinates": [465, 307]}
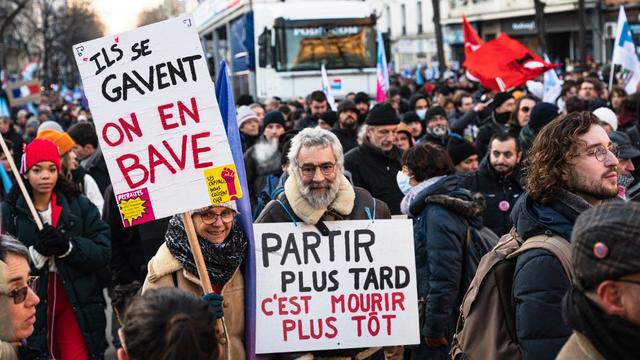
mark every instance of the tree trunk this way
{"type": "Point", "coordinates": [582, 43]}
{"type": "Point", "coordinates": [439, 41]}
{"type": "Point", "coordinates": [540, 25]}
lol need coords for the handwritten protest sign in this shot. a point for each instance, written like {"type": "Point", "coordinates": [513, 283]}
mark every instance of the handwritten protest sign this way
{"type": "Point", "coordinates": [354, 288]}
{"type": "Point", "coordinates": [157, 120]}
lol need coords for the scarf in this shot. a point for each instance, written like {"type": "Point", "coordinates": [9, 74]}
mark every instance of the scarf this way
{"type": "Point", "coordinates": [612, 336]}
{"type": "Point", "coordinates": [221, 260]}
{"type": "Point", "coordinates": [408, 199]}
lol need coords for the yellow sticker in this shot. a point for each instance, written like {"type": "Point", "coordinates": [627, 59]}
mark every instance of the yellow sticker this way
{"type": "Point", "coordinates": [222, 184]}
{"type": "Point", "coordinates": [132, 209]}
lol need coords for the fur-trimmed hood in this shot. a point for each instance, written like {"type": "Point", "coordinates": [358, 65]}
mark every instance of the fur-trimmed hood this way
{"type": "Point", "coordinates": [450, 195]}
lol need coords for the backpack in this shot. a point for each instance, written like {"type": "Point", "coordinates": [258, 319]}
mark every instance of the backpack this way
{"type": "Point", "coordinates": [486, 326]}
{"type": "Point", "coordinates": [477, 243]}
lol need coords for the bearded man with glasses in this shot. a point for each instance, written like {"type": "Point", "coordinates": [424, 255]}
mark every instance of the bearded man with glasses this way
{"type": "Point", "coordinates": [572, 166]}
{"type": "Point", "coordinates": [317, 191]}
{"type": "Point", "coordinates": [17, 299]}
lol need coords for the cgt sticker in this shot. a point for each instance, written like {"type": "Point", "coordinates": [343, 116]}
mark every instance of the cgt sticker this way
{"type": "Point", "coordinates": [222, 184]}
{"type": "Point", "coordinates": [135, 207]}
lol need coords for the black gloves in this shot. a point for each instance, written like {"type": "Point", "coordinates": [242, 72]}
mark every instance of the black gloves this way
{"type": "Point", "coordinates": [215, 301]}
{"type": "Point", "coordinates": [52, 242]}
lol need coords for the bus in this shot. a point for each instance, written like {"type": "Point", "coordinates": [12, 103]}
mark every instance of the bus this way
{"type": "Point", "coordinates": [277, 47]}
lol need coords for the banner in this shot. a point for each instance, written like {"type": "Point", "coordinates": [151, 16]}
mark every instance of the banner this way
{"type": "Point", "coordinates": [326, 88]}
{"type": "Point", "coordinates": [157, 120]}
{"type": "Point", "coordinates": [23, 92]}
{"type": "Point", "coordinates": [354, 288]}
{"type": "Point", "coordinates": [382, 72]}
{"type": "Point", "coordinates": [624, 54]}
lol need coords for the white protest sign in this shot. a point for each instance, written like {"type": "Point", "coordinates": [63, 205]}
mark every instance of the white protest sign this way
{"type": "Point", "coordinates": [354, 288]}
{"type": "Point", "coordinates": [157, 120]}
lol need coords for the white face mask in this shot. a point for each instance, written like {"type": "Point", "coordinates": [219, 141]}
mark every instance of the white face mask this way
{"type": "Point", "coordinates": [421, 113]}
{"type": "Point", "coordinates": [403, 181]}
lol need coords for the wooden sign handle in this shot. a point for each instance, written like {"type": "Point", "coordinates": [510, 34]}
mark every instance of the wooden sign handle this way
{"type": "Point", "coordinates": [203, 274]}
{"type": "Point", "coordinates": [18, 178]}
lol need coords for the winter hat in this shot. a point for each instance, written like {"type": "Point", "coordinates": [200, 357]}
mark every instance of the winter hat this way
{"type": "Point", "coordinates": [411, 117]}
{"type": "Point", "coordinates": [382, 114]}
{"type": "Point", "coordinates": [64, 142]}
{"type": "Point", "coordinates": [330, 117]}
{"type": "Point", "coordinates": [361, 97]}
{"type": "Point", "coordinates": [347, 105]}
{"type": "Point", "coordinates": [402, 127]}
{"type": "Point", "coordinates": [39, 150]}
{"type": "Point", "coordinates": [626, 150]}
{"type": "Point", "coordinates": [542, 114]}
{"type": "Point", "coordinates": [433, 112]}
{"type": "Point", "coordinates": [49, 124]}
{"type": "Point", "coordinates": [608, 116]}
{"type": "Point", "coordinates": [229, 205]}
{"type": "Point", "coordinates": [32, 123]}
{"type": "Point", "coordinates": [460, 149]}
{"type": "Point", "coordinates": [606, 243]}
{"type": "Point", "coordinates": [501, 98]}
{"type": "Point", "coordinates": [245, 114]}
{"type": "Point", "coordinates": [273, 117]}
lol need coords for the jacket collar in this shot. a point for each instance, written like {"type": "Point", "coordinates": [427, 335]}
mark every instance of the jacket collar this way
{"type": "Point", "coordinates": [487, 169]}
{"type": "Point", "coordinates": [343, 203]}
{"type": "Point", "coordinates": [163, 263]}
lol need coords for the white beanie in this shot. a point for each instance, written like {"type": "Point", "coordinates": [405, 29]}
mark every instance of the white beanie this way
{"type": "Point", "coordinates": [608, 116]}
{"type": "Point", "coordinates": [244, 114]}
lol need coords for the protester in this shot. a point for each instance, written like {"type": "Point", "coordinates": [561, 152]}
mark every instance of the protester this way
{"type": "Point", "coordinates": [608, 119]}
{"type": "Point", "coordinates": [317, 105]}
{"type": "Point", "coordinates": [616, 97]}
{"type": "Point", "coordinates": [317, 191]}
{"type": "Point", "coordinates": [17, 299]}
{"type": "Point", "coordinates": [465, 117]}
{"type": "Point", "coordinates": [362, 103]}
{"type": "Point", "coordinates": [437, 127]}
{"type": "Point", "coordinates": [521, 114]}
{"type": "Point", "coordinates": [414, 124]}
{"type": "Point", "coordinates": [263, 158]}
{"type": "Point", "coordinates": [541, 114]}
{"type": "Point", "coordinates": [443, 211]}
{"type": "Point", "coordinates": [327, 120]}
{"type": "Point", "coordinates": [223, 247]}
{"type": "Point", "coordinates": [627, 154]}
{"type": "Point", "coordinates": [258, 109]}
{"type": "Point", "coordinates": [571, 167]}
{"type": "Point", "coordinates": [601, 306]}
{"type": "Point", "coordinates": [68, 253]}
{"type": "Point", "coordinates": [249, 127]}
{"type": "Point", "coordinates": [503, 105]}
{"type": "Point", "coordinates": [169, 324]}
{"type": "Point", "coordinates": [89, 153]}
{"type": "Point", "coordinates": [419, 103]}
{"type": "Point", "coordinates": [271, 104]}
{"type": "Point", "coordinates": [9, 132]}
{"type": "Point", "coordinates": [346, 128]}
{"type": "Point", "coordinates": [463, 155]}
{"type": "Point", "coordinates": [589, 89]}
{"type": "Point", "coordinates": [498, 180]}
{"type": "Point", "coordinates": [404, 140]}
{"type": "Point", "coordinates": [374, 164]}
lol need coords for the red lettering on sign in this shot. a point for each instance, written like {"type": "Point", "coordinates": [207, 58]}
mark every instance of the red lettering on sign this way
{"type": "Point", "coordinates": [127, 169]}
{"type": "Point", "coordinates": [197, 150]}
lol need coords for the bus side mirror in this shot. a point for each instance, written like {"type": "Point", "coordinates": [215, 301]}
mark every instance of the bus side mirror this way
{"type": "Point", "coordinates": [264, 47]}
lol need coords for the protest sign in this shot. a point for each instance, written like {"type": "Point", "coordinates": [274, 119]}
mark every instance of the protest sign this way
{"type": "Point", "coordinates": [157, 120]}
{"type": "Point", "coordinates": [354, 288]}
{"type": "Point", "coordinates": [23, 92]}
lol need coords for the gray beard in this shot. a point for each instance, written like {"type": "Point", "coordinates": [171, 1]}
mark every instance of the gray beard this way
{"type": "Point", "coordinates": [318, 201]}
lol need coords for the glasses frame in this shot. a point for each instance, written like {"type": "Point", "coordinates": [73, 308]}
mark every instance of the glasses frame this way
{"type": "Point", "coordinates": [19, 295]}
{"type": "Point", "coordinates": [214, 217]}
{"type": "Point", "coordinates": [329, 169]}
{"type": "Point", "coordinates": [629, 281]}
{"type": "Point", "coordinates": [601, 151]}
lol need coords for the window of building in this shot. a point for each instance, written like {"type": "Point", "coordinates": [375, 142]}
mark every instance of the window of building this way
{"type": "Point", "coordinates": [403, 19]}
{"type": "Point", "coordinates": [419, 14]}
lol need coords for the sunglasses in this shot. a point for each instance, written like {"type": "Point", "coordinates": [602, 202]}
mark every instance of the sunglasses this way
{"type": "Point", "coordinates": [20, 295]}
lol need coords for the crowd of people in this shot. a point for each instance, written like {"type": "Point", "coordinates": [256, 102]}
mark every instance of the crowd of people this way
{"type": "Point", "coordinates": [467, 165]}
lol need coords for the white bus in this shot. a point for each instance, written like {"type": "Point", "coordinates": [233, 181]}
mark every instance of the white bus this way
{"type": "Point", "coordinates": [276, 47]}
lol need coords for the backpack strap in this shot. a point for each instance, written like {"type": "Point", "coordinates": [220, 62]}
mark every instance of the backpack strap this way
{"type": "Point", "coordinates": [286, 210]}
{"type": "Point", "coordinates": [371, 215]}
{"type": "Point", "coordinates": [555, 244]}
{"type": "Point", "coordinates": [174, 276]}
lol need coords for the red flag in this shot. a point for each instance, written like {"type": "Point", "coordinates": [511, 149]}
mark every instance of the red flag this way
{"type": "Point", "coordinates": [504, 63]}
{"type": "Point", "coordinates": [472, 41]}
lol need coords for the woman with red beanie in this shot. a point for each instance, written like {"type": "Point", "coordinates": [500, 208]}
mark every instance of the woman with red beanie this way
{"type": "Point", "coordinates": [67, 254]}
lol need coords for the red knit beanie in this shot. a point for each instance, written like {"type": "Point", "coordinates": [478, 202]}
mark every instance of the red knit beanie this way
{"type": "Point", "coordinates": [39, 150]}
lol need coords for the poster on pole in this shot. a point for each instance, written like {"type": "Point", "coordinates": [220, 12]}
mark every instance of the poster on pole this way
{"type": "Point", "coordinates": [354, 288]}
{"type": "Point", "coordinates": [24, 92]}
{"type": "Point", "coordinates": [157, 120]}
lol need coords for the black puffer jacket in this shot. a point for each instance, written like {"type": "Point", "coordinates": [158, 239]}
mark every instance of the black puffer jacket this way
{"type": "Point", "coordinates": [495, 188]}
{"type": "Point", "coordinates": [439, 233]}
{"type": "Point", "coordinates": [539, 281]}
{"type": "Point", "coordinates": [376, 172]}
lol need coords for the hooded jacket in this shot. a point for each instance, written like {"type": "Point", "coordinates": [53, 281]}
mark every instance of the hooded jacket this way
{"type": "Point", "coordinates": [445, 210]}
{"type": "Point", "coordinates": [539, 281]}
{"type": "Point", "coordinates": [495, 188]}
{"type": "Point", "coordinates": [260, 161]}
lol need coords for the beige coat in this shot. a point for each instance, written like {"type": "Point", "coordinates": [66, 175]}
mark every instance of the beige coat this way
{"type": "Point", "coordinates": [159, 275]}
{"type": "Point", "coordinates": [578, 347]}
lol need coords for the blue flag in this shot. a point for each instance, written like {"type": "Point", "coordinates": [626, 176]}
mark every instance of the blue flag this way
{"type": "Point", "coordinates": [224, 93]}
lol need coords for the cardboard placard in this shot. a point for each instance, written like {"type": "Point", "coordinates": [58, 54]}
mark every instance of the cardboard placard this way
{"type": "Point", "coordinates": [354, 288]}
{"type": "Point", "coordinates": [157, 120]}
{"type": "Point", "coordinates": [24, 92]}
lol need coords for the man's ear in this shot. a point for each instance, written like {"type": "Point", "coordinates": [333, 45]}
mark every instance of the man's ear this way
{"type": "Point", "coordinates": [122, 355]}
{"type": "Point", "coordinates": [609, 294]}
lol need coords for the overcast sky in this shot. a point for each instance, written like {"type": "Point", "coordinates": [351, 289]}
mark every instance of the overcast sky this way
{"type": "Point", "coordinates": [121, 15]}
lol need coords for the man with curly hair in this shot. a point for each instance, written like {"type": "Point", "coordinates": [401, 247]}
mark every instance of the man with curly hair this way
{"type": "Point", "coordinates": [572, 166]}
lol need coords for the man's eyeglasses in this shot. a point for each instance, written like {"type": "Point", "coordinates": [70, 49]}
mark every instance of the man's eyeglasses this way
{"type": "Point", "coordinates": [310, 170]}
{"type": "Point", "coordinates": [601, 151]}
{"type": "Point", "coordinates": [20, 295]}
{"type": "Point", "coordinates": [209, 218]}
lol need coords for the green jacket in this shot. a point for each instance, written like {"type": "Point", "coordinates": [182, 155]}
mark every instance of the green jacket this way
{"type": "Point", "coordinates": [80, 220]}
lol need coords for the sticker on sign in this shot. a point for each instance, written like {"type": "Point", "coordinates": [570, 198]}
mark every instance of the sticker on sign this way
{"type": "Point", "coordinates": [157, 120]}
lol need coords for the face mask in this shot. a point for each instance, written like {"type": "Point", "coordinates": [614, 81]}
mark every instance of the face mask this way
{"type": "Point", "coordinates": [421, 113]}
{"type": "Point", "coordinates": [502, 118]}
{"type": "Point", "coordinates": [403, 182]}
{"type": "Point", "coordinates": [440, 131]}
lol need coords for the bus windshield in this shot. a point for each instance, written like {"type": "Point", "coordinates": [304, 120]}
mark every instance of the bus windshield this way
{"type": "Point", "coordinates": [339, 47]}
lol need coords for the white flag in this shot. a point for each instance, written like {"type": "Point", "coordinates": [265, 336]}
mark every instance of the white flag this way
{"type": "Point", "coordinates": [326, 88]}
{"type": "Point", "coordinates": [624, 54]}
{"type": "Point", "coordinates": [552, 85]}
